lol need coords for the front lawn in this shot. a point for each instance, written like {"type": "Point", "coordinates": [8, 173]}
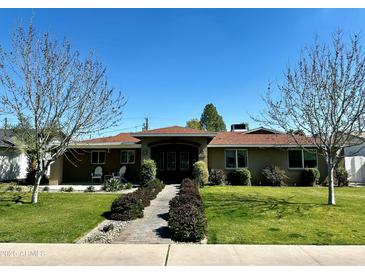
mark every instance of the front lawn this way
{"type": "Point", "coordinates": [57, 218]}
{"type": "Point", "coordinates": [284, 215]}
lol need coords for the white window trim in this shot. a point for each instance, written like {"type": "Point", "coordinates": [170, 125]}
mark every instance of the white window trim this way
{"type": "Point", "coordinates": [302, 150]}
{"type": "Point", "coordinates": [98, 151]}
{"type": "Point", "coordinates": [236, 154]}
{"type": "Point", "coordinates": [128, 163]}
{"type": "Point", "coordinates": [167, 162]}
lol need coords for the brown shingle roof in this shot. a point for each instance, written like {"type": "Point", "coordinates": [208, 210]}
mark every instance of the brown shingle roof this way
{"type": "Point", "coordinates": [120, 138]}
{"type": "Point", "coordinates": [220, 139]}
{"type": "Point", "coordinates": [173, 130]}
{"type": "Point", "coordinates": [237, 138]}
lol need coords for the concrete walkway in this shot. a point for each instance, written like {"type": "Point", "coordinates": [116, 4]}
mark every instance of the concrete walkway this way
{"type": "Point", "coordinates": [152, 228]}
{"type": "Point", "coordinates": [180, 255]}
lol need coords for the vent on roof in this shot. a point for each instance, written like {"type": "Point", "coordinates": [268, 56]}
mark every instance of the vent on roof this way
{"type": "Point", "coordinates": [239, 127]}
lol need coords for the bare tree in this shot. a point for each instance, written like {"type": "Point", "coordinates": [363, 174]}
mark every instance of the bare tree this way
{"type": "Point", "coordinates": [324, 97]}
{"type": "Point", "coordinates": [55, 95]}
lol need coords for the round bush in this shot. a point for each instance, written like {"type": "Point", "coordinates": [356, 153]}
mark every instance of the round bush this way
{"type": "Point", "coordinates": [187, 223]}
{"type": "Point", "coordinates": [148, 171]}
{"type": "Point", "coordinates": [240, 177]}
{"type": "Point", "coordinates": [127, 207]}
{"type": "Point", "coordinates": [274, 175]}
{"type": "Point", "coordinates": [200, 173]}
{"type": "Point", "coordinates": [217, 177]}
{"type": "Point", "coordinates": [310, 177]}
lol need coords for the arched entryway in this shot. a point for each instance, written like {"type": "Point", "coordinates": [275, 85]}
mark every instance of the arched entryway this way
{"type": "Point", "coordinates": [174, 160]}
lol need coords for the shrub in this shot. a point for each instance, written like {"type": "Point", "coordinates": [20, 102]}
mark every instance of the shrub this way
{"type": "Point", "coordinates": [200, 173]}
{"type": "Point", "coordinates": [189, 187]}
{"type": "Point", "coordinates": [310, 177]}
{"type": "Point", "coordinates": [130, 206]}
{"type": "Point", "coordinates": [148, 171]}
{"type": "Point", "coordinates": [217, 177]}
{"type": "Point", "coordinates": [341, 176]}
{"type": "Point", "coordinates": [90, 189]}
{"type": "Point", "coordinates": [187, 198]}
{"type": "Point", "coordinates": [112, 185]}
{"type": "Point", "coordinates": [127, 207]}
{"type": "Point", "coordinates": [10, 188]}
{"type": "Point", "coordinates": [241, 177]}
{"type": "Point", "coordinates": [274, 175]}
{"type": "Point", "coordinates": [67, 189]}
{"type": "Point", "coordinates": [128, 185]}
{"type": "Point", "coordinates": [187, 223]}
{"type": "Point", "coordinates": [46, 189]}
{"type": "Point", "coordinates": [30, 177]}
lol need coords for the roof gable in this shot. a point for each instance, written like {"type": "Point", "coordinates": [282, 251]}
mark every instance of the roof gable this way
{"type": "Point", "coordinates": [173, 131]}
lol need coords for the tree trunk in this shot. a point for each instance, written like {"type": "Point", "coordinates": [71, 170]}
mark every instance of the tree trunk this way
{"type": "Point", "coordinates": [37, 182]}
{"type": "Point", "coordinates": [331, 188]}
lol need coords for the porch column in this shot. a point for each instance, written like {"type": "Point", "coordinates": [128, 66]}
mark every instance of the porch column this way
{"type": "Point", "coordinates": [203, 152]}
{"type": "Point", "coordinates": [145, 152]}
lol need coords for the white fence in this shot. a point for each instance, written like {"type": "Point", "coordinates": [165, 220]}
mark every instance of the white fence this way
{"type": "Point", "coordinates": [355, 166]}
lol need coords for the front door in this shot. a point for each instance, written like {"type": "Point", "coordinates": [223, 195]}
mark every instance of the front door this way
{"type": "Point", "coordinates": [174, 162]}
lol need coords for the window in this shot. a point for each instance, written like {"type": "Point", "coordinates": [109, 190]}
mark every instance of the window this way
{"type": "Point", "coordinates": [235, 158]}
{"type": "Point", "coordinates": [162, 160]}
{"type": "Point", "coordinates": [295, 158]}
{"type": "Point", "coordinates": [171, 160]}
{"type": "Point", "coordinates": [127, 157]}
{"type": "Point", "coordinates": [184, 160]}
{"type": "Point", "coordinates": [299, 158]}
{"type": "Point", "coordinates": [310, 158]}
{"type": "Point", "coordinates": [98, 157]}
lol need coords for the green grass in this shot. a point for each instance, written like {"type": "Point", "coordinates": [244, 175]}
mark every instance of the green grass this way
{"type": "Point", "coordinates": [291, 215]}
{"type": "Point", "coordinates": [57, 218]}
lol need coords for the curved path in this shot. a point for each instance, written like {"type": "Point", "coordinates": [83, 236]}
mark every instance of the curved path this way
{"type": "Point", "coordinates": [152, 228]}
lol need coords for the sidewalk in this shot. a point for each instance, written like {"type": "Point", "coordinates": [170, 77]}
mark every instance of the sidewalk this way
{"type": "Point", "coordinates": [180, 255]}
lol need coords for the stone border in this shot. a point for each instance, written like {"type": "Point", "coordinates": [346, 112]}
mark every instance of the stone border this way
{"type": "Point", "coordinates": [104, 233]}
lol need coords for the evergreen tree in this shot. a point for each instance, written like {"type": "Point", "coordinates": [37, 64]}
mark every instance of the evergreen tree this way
{"type": "Point", "coordinates": [211, 120]}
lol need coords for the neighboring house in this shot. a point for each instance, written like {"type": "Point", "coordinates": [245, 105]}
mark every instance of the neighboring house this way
{"type": "Point", "coordinates": [355, 159]}
{"type": "Point", "coordinates": [175, 149]}
{"type": "Point", "coordinates": [13, 163]}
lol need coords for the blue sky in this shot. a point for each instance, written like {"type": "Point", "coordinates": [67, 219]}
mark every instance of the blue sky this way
{"type": "Point", "coordinates": [169, 63]}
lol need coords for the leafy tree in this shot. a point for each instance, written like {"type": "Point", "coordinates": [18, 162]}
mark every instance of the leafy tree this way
{"type": "Point", "coordinates": [324, 96]}
{"type": "Point", "coordinates": [55, 95]}
{"type": "Point", "coordinates": [210, 119]}
{"type": "Point", "coordinates": [194, 123]}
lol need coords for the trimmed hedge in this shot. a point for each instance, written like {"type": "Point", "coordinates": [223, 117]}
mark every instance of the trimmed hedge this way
{"type": "Point", "coordinates": [127, 207]}
{"type": "Point", "coordinates": [130, 206]}
{"type": "Point", "coordinates": [187, 222]}
{"type": "Point", "coordinates": [240, 177]}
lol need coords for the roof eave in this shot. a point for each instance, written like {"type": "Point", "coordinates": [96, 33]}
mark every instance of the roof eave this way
{"type": "Point", "coordinates": [105, 145]}
{"type": "Point", "coordinates": [261, 145]}
{"type": "Point", "coordinates": [174, 135]}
